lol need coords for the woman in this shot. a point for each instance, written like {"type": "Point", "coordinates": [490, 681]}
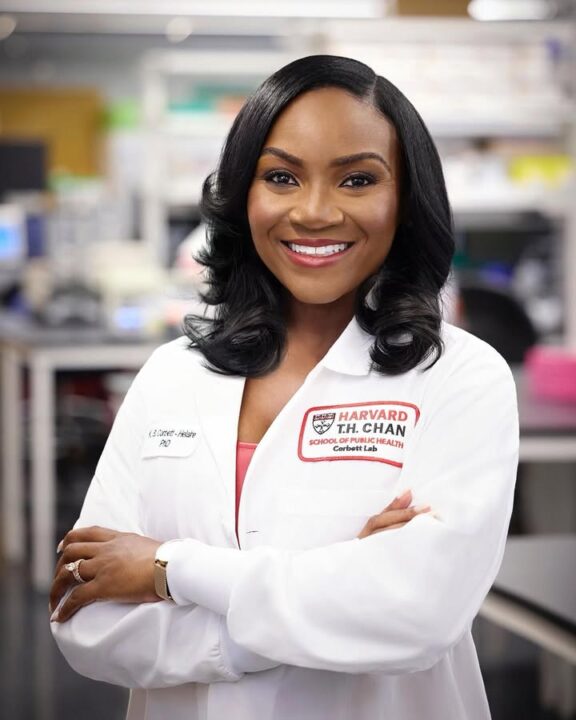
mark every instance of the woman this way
{"type": "Point", "coordinates": [374, 512]}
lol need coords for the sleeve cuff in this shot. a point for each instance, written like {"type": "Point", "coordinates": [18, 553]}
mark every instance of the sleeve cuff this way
{"type": "Point", "coordinates": [204, 574]}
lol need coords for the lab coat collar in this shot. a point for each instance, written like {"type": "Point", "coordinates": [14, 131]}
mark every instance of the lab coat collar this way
{"type": "Point", "coordinates": [219, 398]}
{"type": "Point", "coordinates": [350, 354]}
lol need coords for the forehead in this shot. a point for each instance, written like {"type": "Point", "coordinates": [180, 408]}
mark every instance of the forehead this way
{"type": "Point", "coordinates": [331, 121]}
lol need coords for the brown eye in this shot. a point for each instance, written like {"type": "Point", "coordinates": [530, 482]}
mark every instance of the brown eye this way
{"type": "Point", "coordinates": [358, 181]}
{"type": "Point", "coordinates": [280, 177]}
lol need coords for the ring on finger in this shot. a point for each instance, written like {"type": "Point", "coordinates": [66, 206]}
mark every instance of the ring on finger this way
{"type": "Point", "coordinates": [73, 567]}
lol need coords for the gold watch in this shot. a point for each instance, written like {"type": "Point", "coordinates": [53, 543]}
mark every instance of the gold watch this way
{"type": "Point", "coordinates": [160, 564]}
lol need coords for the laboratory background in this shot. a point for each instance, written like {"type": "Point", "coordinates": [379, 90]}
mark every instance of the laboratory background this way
{"type": "Point", "coordinates": [112, 112]}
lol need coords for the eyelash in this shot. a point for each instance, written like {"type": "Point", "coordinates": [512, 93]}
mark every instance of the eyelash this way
{"type": "Point", "coordinates": [369, 179]}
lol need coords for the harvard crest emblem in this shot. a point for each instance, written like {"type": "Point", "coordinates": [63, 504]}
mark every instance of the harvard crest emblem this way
{"type": "Point", "coordinates": [323, 422]}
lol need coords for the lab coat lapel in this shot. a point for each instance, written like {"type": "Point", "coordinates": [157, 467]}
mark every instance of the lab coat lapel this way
{"type": "Point", "coordinates": [219, 399]}
{"type": "Point", "coordinates": [218, 402]}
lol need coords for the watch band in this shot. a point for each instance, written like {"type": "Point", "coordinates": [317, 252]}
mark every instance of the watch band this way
{"type": "Point", "coordinates": [163, 555]}
{"type": "Point", "coordinates": [160, 579]}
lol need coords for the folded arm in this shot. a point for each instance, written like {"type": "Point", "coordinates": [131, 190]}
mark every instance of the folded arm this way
{"type": "Point", "coordinates": [395, 601]}
{"type": "Point", "coordinates": [146, 642]}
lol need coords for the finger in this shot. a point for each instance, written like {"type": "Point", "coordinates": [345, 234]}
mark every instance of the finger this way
{"type": "Point", "coordinates": [81, 596]}
{"type": "Point", "coordinates": [400, 501]}
{"type": "Point", "coordinates": [391, 517]}
{"type": "Point", "coordinates": [75, 551]}
{"type": "Point", "coordinates": [88, 534]}
{"type": "Point", "coordinates": [65, 580]}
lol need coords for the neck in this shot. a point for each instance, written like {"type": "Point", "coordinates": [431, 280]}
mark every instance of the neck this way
{"type": "Point", "coordinates": [317, 327]}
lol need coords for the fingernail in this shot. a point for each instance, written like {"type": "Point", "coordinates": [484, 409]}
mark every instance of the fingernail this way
{"type": "Point", "coordinates": [60, 545]}
{"type": "Point", "coordinates": [422, 508]}
{"type": "Point", "coordinates": [403, 494]}
{"type": "Point", "coordinates": [54, 616]}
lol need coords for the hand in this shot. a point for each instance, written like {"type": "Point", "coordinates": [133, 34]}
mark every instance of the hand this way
{"type": "Point", "coordinates": [394, 515]}
{"type": "Point", "coordinates": [117, 566]}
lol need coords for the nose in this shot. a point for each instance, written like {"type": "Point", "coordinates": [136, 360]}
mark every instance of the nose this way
{"type": "Point", "coordinates": [315, 208]}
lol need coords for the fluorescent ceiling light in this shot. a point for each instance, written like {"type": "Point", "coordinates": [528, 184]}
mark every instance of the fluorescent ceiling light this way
{"type": "Point", "coordinates": [490, 10]}
{"type": "Point", "coordinates": [201, 8]}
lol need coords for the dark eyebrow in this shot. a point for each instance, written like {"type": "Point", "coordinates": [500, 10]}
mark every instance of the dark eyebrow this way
{"type": "Point", "coordinates": [349, 159]}
{"type": "Point", "coordinates": [283, 155]}
{"type": "Point", "coordinates": [338, 162]}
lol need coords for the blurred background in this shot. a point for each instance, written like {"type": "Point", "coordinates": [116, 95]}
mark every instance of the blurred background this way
{"type": "Point", "coordinates": [111, 115]}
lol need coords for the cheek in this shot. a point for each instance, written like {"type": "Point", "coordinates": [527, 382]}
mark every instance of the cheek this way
{"type": "Point", "coordinates": [261, 214]}
{"type": "Point", "coordinates": [379, 223]}
{"type": "Point", "coordinates": [380, 218]}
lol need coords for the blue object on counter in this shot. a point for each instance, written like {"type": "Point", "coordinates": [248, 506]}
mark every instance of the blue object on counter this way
{"type": "Point", "coordinates": [36, 231]}
{"type": "Point", "coordinates": [497, 274]}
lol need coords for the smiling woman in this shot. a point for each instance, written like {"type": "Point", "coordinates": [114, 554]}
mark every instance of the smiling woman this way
{"type": "Point", "coordinates": [304, 500]}
{"type": "Point", "coordinates": [334, 208]}
{"type": "Point", "coordinates": [325, 153]}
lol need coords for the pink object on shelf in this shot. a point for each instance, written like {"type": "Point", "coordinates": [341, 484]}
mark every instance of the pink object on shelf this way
{"type": "Point", "coordinates": [551, 372]}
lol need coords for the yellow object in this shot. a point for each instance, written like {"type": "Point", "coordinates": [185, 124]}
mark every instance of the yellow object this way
{"type": "Point", "coordinates": [425, 8]}
{"type": "Point", "coordinates": [69, 121]}
{"type": "Point", "coordinates": [550, 170]}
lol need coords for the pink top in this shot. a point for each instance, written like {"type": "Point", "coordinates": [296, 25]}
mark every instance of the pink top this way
{"type": "Point", "coordinates": [244, 452]}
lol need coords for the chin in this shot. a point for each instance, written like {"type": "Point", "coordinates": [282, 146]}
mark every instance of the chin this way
{"type": "Point", "coordinates": [315, 296]}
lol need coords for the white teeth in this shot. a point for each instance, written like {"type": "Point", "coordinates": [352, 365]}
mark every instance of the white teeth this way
{"type": "Point", "coordinates": [323, 250]}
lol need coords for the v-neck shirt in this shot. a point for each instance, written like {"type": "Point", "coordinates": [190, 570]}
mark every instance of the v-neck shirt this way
{"type": "Point", "coordinates": [244, 453]}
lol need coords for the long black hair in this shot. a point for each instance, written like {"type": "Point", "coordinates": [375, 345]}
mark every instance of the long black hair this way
{"type": "Point", "coordinates": [399, 305]}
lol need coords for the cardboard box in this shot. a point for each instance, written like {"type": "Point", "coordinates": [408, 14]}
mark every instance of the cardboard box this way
{"type": "Point", "coordinates": [69, 121]}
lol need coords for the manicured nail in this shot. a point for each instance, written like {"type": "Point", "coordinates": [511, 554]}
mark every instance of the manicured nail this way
{"type": "Point", "coordinates": [54, 616]}
{"type": "Point", "coordinates": [422, 508]}
{"type": "Point", "coordinates": [60, 545]}
{"type": "Point", "coordinates": [403, 494]}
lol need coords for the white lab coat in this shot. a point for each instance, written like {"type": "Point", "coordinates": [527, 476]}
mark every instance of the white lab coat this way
{"type": "Point", "coordinates": [305, 621]}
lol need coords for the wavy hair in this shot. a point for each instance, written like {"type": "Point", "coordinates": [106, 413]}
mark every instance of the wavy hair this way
{"type": "Point", "coordinates": [399, 305]}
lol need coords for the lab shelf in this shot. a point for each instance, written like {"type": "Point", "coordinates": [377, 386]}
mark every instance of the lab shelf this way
{"type": "Point", "coordinates": [529, 124]}
{"type": "Point", "coordinates": [213, 125]}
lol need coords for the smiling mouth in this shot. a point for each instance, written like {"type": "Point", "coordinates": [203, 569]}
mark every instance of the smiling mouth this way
{"type": "Point", "coordinates": [319, 251]}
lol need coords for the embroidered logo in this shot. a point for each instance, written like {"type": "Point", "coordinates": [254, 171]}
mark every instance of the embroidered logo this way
{"type": "Point", "coordinates": [358, 431]}
{"type": "Point", "coordinates": [322, 422]}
